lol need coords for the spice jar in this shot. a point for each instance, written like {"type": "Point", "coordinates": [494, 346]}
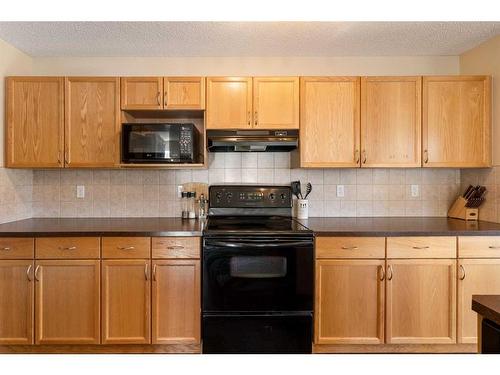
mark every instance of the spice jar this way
{"type": "Point", "coordinates": [192, 205]}
{"type": "Point", "coordinates": [185, 205]}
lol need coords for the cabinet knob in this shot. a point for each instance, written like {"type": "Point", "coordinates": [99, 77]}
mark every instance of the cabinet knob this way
{"type": "Point", "coordinates": [426, 156]}
{"type": "Point", "coordinates": [356, 156]}
{"type": "Point", "coordinates": [390, 273]}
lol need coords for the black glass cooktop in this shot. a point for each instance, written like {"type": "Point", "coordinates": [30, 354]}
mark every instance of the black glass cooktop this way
{"type": "Point", "coordinates": [254, 224]}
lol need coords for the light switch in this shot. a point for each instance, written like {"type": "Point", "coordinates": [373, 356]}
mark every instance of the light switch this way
{"type": "Point", "coordinates": [414, 191]}
{"type": "Point", "coordinates": [80, 191]}
{"type": "Point", "coordinates": [340, 191]}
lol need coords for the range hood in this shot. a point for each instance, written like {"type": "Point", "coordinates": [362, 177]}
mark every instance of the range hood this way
{"type": "Point", "coordinates": [252, 140]}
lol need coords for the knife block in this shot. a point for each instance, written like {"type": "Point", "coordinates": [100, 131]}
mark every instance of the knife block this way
{"type": "Point", "coordinates": [459, 211]}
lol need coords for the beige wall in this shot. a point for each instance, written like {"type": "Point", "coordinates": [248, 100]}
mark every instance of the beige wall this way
{"type": "Point", "coordinates": [485, 59]}
{"type": "Point", "coordinates": [248, 66]}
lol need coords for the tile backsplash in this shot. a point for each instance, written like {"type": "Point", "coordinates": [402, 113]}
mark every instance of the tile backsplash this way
{"type": "Point", "coordinates": [150, 193]}
{"type": "Point", "coordinates": [16, 191]}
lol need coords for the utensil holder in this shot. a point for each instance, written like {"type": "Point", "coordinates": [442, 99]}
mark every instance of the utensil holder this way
{"type": "Point", "coordinates": [459, 211]}
{"type": "Point", "coordinates": [302, 209]}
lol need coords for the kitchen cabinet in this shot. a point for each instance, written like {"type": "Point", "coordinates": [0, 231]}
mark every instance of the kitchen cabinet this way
{"type": "Point", "coordinates": [229, 103]}
{"type": "Point", "coordinates": [456, 117]}
{"type": "Point", "coordinates": [141, 93]}
{"type": "Point", "coordinates": [391, 121]}
{"type": "Point", "coordinates": [176, 301]}
{"type": "Point", "coordinates": [247, 103]}
{"type": "Point", "coordinates": [421, 301]}
{"type": "Point", "coordinates": [126, 290]}
{"type": "Point", "coordinates": [92, 121]}
{"type": "Point", "coordinates": [276, 102]}
{"type": "Point", "coordinates": [16, 302]}
{"type": "Point", "coordinates": [157, 93]}
{"type": "Point", "coordinates": [34, 122]}
{"type": "Point", "coordinates": [475, 276]}
{"type": "Point", "coordinates": [67, 301]}
{"type": "Point", "coordinates": [349, 305]}
{"type": "Point", "coordinates": [330, 122]}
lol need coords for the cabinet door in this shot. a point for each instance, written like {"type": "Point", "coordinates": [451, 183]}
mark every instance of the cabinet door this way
{"type": "Point", "coordinates": [16, 306]}
{"type": "Point", "coordinates": [141, 92]}
{"type": "Point", "coordinates": [184, 93]}
{"type": "Point", "coordinates": [35, 122]}
{"type": "Point", "coordinates": [67, 301]}
{"type": "Point", "coordinates": [126, 311]}
{"type": "Point", "coordinates": [276, 102]}
{"type": "Point", "coordinates": [92, 121]}
{"type": "Point", "coordinates": [391, 121]}
{"type": "Point", "coordinates": [349, 302]}
{"type": "Point", "coordinates": [475, 276]}
{"type": "Point", "coordinates": [456, 121]}
{"type": "Point", "coordinates": [176, 302]}
{"type": "Point", "coordinates": [329, 127]}
{"type": "Point", "coordinates": [229, 102]}
{"type": "Point", "coordinates": [421, 297]}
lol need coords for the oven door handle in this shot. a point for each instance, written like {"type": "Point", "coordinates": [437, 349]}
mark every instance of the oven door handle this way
{"type": "Point", "coordinates": [260, 245]}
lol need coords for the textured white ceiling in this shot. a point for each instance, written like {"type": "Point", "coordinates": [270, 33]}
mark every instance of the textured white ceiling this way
{"type": "Point", "coordinates": [171, 39]}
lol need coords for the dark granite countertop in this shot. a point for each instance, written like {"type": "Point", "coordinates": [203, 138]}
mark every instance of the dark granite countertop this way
{"type": "Point", "coordinates": [379, 226]}
{"type": "Point", "coordinates": [143, 226]}
{"type": "Point", "coordinates": [487, 306]}
{"type": "Point", "coordinates": [399, 226]}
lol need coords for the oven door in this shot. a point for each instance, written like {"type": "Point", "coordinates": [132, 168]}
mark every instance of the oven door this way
{"type": "Point", "coordinates": [257, 274]}
{"type": "Point", "coordinates": [150, 143]}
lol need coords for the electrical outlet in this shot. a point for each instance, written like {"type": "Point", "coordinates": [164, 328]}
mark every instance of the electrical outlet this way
{"type": "Point", "coordinates": [414, 191]}
{"type": "Point", "coordinates": [80, 191]}
{"type": "Point", "coordinates": [179, 191]}
{"type": "Point", "coordinates": [340, 191]}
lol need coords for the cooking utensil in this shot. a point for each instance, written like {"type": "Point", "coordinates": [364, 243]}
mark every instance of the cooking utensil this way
{"type": "Point", "coordinates": [296, 189]}
{"type": "Point", "coordinates": [308, 189]}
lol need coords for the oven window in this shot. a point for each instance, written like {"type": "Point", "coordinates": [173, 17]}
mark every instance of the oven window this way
{"type": "Point", "coordinates": [158, 142]}
{"type": "Point", "coordinates": [257, 267]}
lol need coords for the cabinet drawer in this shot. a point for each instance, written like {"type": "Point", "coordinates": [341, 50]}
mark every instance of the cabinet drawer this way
{"type": "Point", "coordinates": [479, 247]}
{"type": "Point", "coordinates": [350, 247]}
{"type": "Point", "coordinates": [176, 247]}
{"type": "Point", "coordinates": [421, 247]}
{"type": "Point", "coordinates": [126, 247]}
{"type": "Point", "coordinates": [16, 248]}
{"type": "Point", "coordinates": [67, 247]}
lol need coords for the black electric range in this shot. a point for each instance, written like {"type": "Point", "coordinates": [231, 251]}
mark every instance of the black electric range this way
{"type": "Point", "coordinates": [257, 293]}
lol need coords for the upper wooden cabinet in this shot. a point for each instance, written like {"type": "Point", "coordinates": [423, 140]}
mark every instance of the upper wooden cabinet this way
{"type": "Point", "coordinates": [329, 129]}
{"type": "Point", "coordinates": [186, 93]}
{"type": "Point", "coordinates": [276, 102]}
{"type": "Point", "coordinates": [92, 125]}
{"type": "Point", "coordinates": [229, 103]}
{"type": "Point", "coordinates": [16, 302]}
{"type": "Point", "coordinates": [391, 121]}
{"type": "Point", "coordinates": [67, 301]}
{"type": "Point", "coordinates": [141, 92]}
{"type": "Point", "coordinates": [34, 122]}
{"type": "Point", "coordinates": [246, 103]}
{"type": "Point", "coordinates": [456, 121]}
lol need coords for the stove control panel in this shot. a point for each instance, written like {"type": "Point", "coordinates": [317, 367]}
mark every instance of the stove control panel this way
{"type": "Point", "coordinates": [240, 196]}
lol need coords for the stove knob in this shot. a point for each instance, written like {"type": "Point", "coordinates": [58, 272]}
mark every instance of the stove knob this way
{"type": "Point", "coordinates": [272, 196]}
{"type": "Point", "coordinates": [283, 196]}
{"type": "Point", "coordinates": [229, 196]}
{"type": "Point", "coordinates": [218, 195]}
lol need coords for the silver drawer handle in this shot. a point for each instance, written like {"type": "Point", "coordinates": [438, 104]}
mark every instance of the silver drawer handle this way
{"type": "Point", "coordinates": [67, 248]}
{"type": "Point", "coordinates": [349, 247]}
{"type": "Point", "coordinates": [5, 248]}
{"type": "Point", "coordinates": [126, 248]}
{"type": "Point", "coordinates": [175, 247]}
{"type": "Point", "coordinates": [421, 247]}
{"type": "Point", "coordinates": [494, 247]}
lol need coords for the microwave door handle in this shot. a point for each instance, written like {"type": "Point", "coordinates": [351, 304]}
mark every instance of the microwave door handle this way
{"type": "Point", "coordinates": [260, 245]}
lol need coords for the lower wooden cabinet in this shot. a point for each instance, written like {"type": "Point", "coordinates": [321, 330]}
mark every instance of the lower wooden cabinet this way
{"type": "Point", "coordinates": [16, 302]}
{"type": "Point", "coordinates": [67, 301]}
{"type": "Point", "coordinates": [475, 276]}
{"type": "Point", "coordinates": [126, 299]}
{"type": "Point", "coordinates": [349, 306]}
{"type": "Point", "coordinates": [176, 302]}
{"type": "Point", "coordinates": [421, 301]}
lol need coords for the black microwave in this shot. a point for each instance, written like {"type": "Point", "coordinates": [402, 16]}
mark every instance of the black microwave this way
{"type": "Point", "coordinates": [159, 143]}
